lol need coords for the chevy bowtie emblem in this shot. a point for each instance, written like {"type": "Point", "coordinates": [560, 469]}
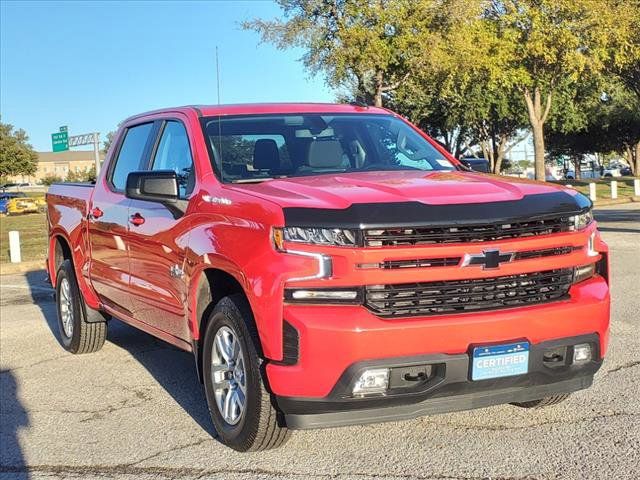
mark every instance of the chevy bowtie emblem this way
{"type": "Point", "coordinates": [176, 272]}
{"type": "Point", "coordinates": [488, 258]}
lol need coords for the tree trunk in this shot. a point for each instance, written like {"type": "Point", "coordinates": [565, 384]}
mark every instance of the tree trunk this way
{"type": "Point", "coordinates": [632, 156]}
{"type": "Point", "coordinates": [501, 153]}
{"type": "Point", "coordinates": [538, 150]}
{"type": "Point", "coordinates": [537, 117]}
{"type": "Point", "coordinates": [378, 85]}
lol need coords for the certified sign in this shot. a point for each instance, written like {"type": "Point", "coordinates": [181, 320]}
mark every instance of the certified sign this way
{"type": "Point", "coordinates": [500, 361]}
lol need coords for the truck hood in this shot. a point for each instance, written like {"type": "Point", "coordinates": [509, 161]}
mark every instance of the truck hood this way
{"type": "Point", "coordinates": [430, 188]}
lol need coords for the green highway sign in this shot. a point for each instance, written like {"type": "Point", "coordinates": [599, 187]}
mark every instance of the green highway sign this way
{"type": "Point", "coordinates": [64, 128]}
{"type": "Point", "coordinates": [60, 141]}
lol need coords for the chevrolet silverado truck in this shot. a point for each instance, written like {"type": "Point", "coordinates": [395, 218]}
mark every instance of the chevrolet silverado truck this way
{"type": "Point", "coordinates": [329, 265]}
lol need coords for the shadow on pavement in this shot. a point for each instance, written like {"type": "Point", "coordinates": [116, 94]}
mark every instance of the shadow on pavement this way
{"type": "Point", "coordinates": [173, 369]}
{"type": "Point", "coordinates": [13, 417]}
{"type": "Point", "coordinates": [618, 220]}
{"type": "Point", "coordinates": [619, 230]}
{"type": "Point", "coordinates": [42, 295]}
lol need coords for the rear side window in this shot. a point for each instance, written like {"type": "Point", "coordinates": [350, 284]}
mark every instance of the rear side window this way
{"type": "Point", "coordinates": [174, 153]}
{"type": "Point", "coordinates": [130, 154]}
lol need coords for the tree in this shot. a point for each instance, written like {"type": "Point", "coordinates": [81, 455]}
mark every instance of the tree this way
{"type": "Point", "coordinates": [615, 125]}
{"type": "Point", "coordinates": [370, 47]}
{"type": "Point", "coordinates": [464, 100]}
{"type": "Point", "coordinates": [17, 157]}
{"type": "Point", "coordinates": [88, 175]}
{"type": "Point", "coordinates": [600, 119]}
{"type": "Point", "coordinates": [625, 62]}
{"type": "Point", "coordinates": [106, 144]}
{"type": "Point", "coordinates": [51, 178]}
{"type": "Point", "coordinates": [552, 42]}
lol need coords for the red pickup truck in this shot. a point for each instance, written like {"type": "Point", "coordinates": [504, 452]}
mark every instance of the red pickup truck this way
{"type": "Point", "coordinates": [330, 265]}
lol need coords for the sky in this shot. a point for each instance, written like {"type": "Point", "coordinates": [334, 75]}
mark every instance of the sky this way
{"type": "Point", "coordinates": [91, 64]}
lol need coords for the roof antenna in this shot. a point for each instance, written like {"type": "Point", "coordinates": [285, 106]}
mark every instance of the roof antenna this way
{"type": "Point", "coordinates": [218, 75]}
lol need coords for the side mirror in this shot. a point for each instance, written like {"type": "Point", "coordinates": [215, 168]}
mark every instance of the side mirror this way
{"type": "Point", "coordinates": [159, 186]}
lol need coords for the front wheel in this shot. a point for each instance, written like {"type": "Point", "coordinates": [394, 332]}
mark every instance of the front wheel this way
{"type": "Point", "coordinates": [239, 404]}
{"type": "Point", "coordinates": [77, 335]}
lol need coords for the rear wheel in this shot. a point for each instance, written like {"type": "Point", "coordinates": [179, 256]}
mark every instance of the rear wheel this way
{"type": "Point", "coordinates": [240, 406]}
{"type": "Point", "coordinates": [77, 335]}
{"type": "Point", "coordinates": [543, 402]}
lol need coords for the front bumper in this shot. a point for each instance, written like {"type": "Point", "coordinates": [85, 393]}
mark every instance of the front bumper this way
{"type": "Point", "coordinates": [332, 338]}
{"type": "Point", "coordinates": [447, 389]}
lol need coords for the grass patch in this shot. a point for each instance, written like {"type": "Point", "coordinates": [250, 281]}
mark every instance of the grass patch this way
{"type": "Point", "coordinates": [603, 186]}
{"type": "Point", "coordinates": [33, 236]}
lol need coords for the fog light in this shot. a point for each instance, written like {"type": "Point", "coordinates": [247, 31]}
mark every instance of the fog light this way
{"type": "Point", "coordinates": [582, 353]}
{"type": "Point", "coordinates": [372, 381]}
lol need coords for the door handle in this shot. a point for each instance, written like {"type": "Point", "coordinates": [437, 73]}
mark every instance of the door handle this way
{"type": "Point", "coordinates": [95, 213]}
{"type": "Point", "coordinates": [136, 219]}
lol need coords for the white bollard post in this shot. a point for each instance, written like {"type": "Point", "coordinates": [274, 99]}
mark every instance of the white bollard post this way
{"type": "Point", "coordinates": [592, 191]}
{"type": "Point", "coordinates": [614, 189]}
{"type": "Point", "coordinates": [14, 246]}
{"type": "Point", "coordinates": [636, 187]}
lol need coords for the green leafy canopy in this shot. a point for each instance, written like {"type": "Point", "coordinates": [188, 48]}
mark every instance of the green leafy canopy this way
{"type": "Point", "coordinates": [17, 157]}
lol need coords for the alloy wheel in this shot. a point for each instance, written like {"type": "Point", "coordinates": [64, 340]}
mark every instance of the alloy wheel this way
{"type": "Point", "coordinates": [66, 307]}
{"type": "Point", "coordinates": [228, 375]}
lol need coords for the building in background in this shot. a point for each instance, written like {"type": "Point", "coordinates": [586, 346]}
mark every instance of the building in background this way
{"type": "Point", "coordinates": [59, 164]}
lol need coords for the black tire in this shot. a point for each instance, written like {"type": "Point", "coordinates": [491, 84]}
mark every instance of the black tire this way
{"type": "Point", "coordinates": [543, 402]}
{"type": "Point", "coordinates": [259, 426]}
{"type": "Point", "coordinates": [83, 336]}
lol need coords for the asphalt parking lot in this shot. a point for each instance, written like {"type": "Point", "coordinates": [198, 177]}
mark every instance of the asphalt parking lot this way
{"type": "Point", "coordinates": [136, 410]}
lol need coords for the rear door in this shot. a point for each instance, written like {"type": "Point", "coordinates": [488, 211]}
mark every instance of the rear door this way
{"type": "Point", "coordinates": [109, 219]}
{"type": "Point", "coordinates": [158, 239]}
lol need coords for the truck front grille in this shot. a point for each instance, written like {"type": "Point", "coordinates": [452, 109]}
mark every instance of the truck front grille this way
{"type": "Point", "coordinates": [407, 236]}
{"type": "Point", "coordinates": [459, 296]}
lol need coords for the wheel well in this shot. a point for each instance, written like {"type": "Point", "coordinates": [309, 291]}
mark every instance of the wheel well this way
{"type": "Point", "coordinates": [214, 285]}
{"type": "Point", "coordinates": [62, 252]}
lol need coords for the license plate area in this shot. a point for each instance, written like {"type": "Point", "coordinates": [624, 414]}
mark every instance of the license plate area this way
{"type": "Point", "coordinates": [497, 361]}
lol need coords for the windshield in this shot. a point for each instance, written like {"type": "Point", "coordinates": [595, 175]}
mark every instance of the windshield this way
{"type": "Point", "coordinates": [255, 148]}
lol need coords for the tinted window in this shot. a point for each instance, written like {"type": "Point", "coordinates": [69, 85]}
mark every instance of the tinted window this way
{"type": "Point", "coordinates": [254, 148]}
{"type": "Point", "coordinates": [130, 155]}
{"type": "Point", "coordinates": [174, 154]}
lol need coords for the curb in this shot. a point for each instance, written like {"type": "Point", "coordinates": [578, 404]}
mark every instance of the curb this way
{"type": "Point", "coordinates": [605, 202]}
{"type": "Point", "coordinates": [23, 267]}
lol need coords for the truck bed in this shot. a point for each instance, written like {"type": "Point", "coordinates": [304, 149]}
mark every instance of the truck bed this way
{"type": "Point", "coordinates": [67, 209]}
{"type": "Point", "coordinates": [68, 200]}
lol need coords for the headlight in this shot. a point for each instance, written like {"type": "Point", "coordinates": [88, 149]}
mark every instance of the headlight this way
{"type": "Point", "coordinates": [581, 221]}
{"type": "Point", "coordinates": [317, 236]}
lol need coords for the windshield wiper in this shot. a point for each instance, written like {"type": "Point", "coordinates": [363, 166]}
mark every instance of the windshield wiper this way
{"type": "Point", "coordinates": [384, 168]}
{"type": "Point", "coordinates": [251, 180]}
{"type": "Point", "coordinates": [258, 179]}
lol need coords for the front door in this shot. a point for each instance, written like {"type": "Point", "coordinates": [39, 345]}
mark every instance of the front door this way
{"type": "Point", "coordinates": [109, 225]}
{"type": "Point", "coordinates": [157, 242]}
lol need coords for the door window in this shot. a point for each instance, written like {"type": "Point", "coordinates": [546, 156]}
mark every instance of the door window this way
{"type": "Point", "coordinates": [174, 153]}
{"type": "Point", "coordinates": [130, 155]}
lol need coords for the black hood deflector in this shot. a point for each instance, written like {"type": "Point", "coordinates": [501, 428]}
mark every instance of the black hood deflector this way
{"type": "Point", "coordinates": [381, 215]}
